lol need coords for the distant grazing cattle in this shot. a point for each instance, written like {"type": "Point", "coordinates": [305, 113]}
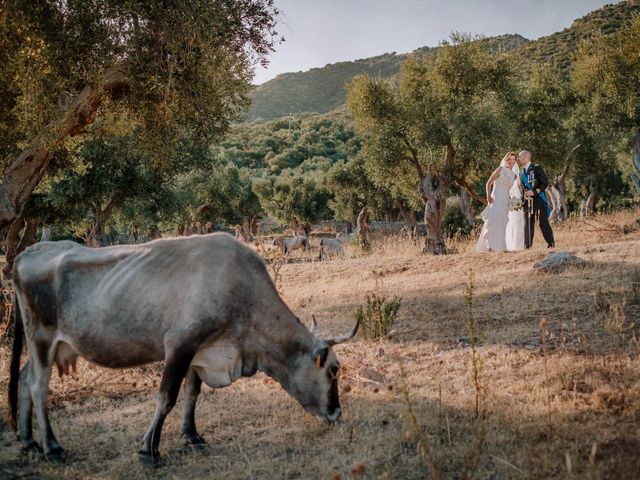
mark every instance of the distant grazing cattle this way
{"type": "Point", "coordinates": [205, 305]}
{"type": "Point", "coordinates": [330, 247]}
{"type": "Point", "coordinates": [241, 234]}
{"type": "Point", "coordinates": [46, 233]}
{"type": "Point", "coordinates": [289, 244]}
{"type": "Point", "coordinates": [346, 238]}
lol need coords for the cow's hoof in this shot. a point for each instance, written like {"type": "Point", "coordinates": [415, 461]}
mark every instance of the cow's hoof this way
{"type": "Point", "coordinates": [56, 455]}
{"type": "Point", "coordinates": [194, 440]}
{"type": "Point", "coordinates": [152, 460]}
{"type": "Point", "coordinates": [32, 446]}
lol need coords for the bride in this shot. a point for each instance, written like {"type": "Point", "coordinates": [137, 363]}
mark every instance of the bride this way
{"type": "Point", "coordinates": [503, 228]}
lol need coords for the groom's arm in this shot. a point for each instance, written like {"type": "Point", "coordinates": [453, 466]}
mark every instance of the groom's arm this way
{"type": "Point", "coordinates": [541, 180]}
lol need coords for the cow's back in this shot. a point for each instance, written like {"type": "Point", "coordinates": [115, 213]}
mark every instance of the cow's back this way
{"type": "Point", "coordinates": [117, 295]}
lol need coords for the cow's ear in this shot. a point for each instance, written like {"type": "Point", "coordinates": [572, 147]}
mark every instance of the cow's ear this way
{"type": "Point", "coordinates": [321, 356]}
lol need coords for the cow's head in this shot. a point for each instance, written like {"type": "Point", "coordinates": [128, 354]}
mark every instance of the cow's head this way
{"type": "Point", "coordinates": [314, 381]}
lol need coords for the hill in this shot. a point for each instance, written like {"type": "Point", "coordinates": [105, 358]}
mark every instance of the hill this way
{"type": "Point", "coordinates": [322, 89]}
{"type": "Point", "coordinates": [559, 50]}
{"type": "Point", "coordinates": [317, 90]}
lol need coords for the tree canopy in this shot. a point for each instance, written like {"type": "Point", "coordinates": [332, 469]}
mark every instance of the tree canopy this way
{"type": "Point", "coordinates": [174, 69]}
{"type": "Point", "coordinates": [442, 122]}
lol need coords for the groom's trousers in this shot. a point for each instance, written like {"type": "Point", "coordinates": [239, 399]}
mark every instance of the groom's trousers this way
{"type": "Point", "coordinates": [540, 211]}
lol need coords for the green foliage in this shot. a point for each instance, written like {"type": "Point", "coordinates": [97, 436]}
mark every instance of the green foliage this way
{"type": "Point", "coordinates": [352, 189]}
{"type": "Point", "coordinates": [540, 110]}
{"type": "Point", "coordinates": [105, 173]}
{"type": "Point", "coordinates": [377, 315]}
{"type": "Point", "coordinates": [216, 191]}
{"type": "Point", "coordinates": [151, 156]}
{"type": "Point", "coordinates": [301, 143]}
{"type": "Point", "coordinates": [458, 97]}
{"type": "Point", "coordinates": [560, 50]}
{"type": "Point", "coordinates": [187, 65]}
{"type": "Point", "coordinates": [318, 90]}
{"type": "Point", "coordinates": [608, 76]}
{"type": "Point", "coordinates": [607, 79]}
{"type": "Point", "coordinates": [455, 222]}
{"type": "Point", "coordinates": [295, 200]}
{"type": "Point", "coordinates": [322, 89]}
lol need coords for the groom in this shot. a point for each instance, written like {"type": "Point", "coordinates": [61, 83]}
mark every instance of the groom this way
{"type": "Point", "coordinates": [533, 183]}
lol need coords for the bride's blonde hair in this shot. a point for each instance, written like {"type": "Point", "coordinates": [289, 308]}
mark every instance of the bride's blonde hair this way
{"type": "Point", "coordinates": [503, 163]}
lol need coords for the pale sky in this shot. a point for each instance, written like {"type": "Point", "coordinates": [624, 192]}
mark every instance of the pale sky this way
{"type": "Point", "coordinates": [318, 32]}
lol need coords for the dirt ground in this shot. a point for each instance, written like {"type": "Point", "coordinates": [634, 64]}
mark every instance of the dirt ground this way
{"type": "Point", "coordinates": [564, 403]}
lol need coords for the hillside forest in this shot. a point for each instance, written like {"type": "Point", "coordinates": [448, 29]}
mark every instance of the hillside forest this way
{"type": "Point", "coordinates": [106, 140]}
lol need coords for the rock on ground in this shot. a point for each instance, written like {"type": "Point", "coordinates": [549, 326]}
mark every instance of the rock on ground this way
{"type": "Point", "coordinates": [557, 262]}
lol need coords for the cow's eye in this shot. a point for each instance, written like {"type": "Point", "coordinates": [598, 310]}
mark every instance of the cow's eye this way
{"type": "Point", "coordinates": [333, 371]}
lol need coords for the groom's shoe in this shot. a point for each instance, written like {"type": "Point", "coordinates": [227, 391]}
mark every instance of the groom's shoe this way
{"type": "Point", "coordinates": [551, 245]}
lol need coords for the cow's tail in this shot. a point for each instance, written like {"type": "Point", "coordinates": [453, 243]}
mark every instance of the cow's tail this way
{"type": "Point", "coordinates": [14, 376]}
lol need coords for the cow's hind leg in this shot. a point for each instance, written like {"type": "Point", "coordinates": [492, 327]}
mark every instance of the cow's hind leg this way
{"type": "Point", "coordinates": [176, 367]}
{"type": "Point", "coordinates": [25, 410]}
{"type": "Point", "coordinates": [40, 374]}
{"type": "Point", "coordinates": [192, 386]}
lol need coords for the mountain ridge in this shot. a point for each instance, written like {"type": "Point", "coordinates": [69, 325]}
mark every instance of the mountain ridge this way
{"type": "Point", "coordinates": [322, 89]}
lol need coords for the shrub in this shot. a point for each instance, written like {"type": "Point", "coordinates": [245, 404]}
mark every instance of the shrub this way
{"type": "Point", "coordinates": [377, 315]}
{"type": "Point", "coordinates": [454, 221]}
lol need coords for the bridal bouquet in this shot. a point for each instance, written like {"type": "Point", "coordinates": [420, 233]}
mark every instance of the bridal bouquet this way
{"type": "Point", "coordinates": [515, 203]}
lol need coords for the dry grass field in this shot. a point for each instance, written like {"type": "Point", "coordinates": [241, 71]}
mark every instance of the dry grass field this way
{"type": "Point", "coordinates": [563, 402]}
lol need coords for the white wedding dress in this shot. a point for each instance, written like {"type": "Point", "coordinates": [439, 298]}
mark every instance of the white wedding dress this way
{"type": "Point", "coordinates": [514, 235]}
{"type": "Point", "coordinates": [496, 216]}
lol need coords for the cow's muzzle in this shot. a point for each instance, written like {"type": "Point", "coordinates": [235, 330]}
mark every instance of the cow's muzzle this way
{"type": "Point", "coordinates": [334, 416]}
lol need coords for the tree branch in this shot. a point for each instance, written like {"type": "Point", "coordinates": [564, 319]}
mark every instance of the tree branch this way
{"type": "Point", "coordinates": [26, 172]}
{"type": "Point", "coordinates": [449, 160]}
{"type": "Point", "coordinates": [414, 154]}
{"type": "Point", "coordinates": [106, 213]}
{"type": "Point", "coordinates": [463, 184]}
{"type": "Point", "coordinates": [567, 163]}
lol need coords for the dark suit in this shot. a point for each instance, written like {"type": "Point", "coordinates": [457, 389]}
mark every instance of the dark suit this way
{"type": "Point", "coordinates": [539, 183]}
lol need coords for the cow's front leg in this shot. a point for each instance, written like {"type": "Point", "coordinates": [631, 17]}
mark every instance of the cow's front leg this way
{"type": "Point", "coordinates": [39, 376]}
{"type": "Point", "coordinates": [192, 386]}
{"type": "Point", "coordinates": [175, 369]}
{"type": "Point", "coordinates": [25, 410]}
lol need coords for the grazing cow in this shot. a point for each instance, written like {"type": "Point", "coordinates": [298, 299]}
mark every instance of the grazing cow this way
{"type": "Point", "coordinates": [346, 238]}
{"type": "Point", "coordinates": [289, 244]}
{"type": "Point", "coordinates": [330, 247]}
{"type": "Point", "coordinates": [204, 304]}
{"type": "Point", "coordinates": [241, 234]}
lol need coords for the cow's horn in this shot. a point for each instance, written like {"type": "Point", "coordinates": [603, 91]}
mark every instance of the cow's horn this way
{"type": "Point", "coordinates": [314, 325]}
{"type": "Point", "coordinates": [345, 337]}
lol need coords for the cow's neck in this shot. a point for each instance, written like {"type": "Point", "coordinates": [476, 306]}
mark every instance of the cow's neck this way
{"type": "Point", "coordinates": [281, 348]}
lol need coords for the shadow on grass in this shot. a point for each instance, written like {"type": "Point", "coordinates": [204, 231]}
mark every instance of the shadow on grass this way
{"type": "Point", "coordinates": [578, 304]}
{"type": "Point", "coordinates": [266, 435]}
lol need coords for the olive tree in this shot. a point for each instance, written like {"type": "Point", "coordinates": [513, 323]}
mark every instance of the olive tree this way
{"type": "Point", "coordinates": [174, 68]}
{"type": "Point", "coordinates": [442, 122]}
{"type": "Point", "coordinates": [607, 75]}
{"type": "Point", "coordinates": [296, 200]}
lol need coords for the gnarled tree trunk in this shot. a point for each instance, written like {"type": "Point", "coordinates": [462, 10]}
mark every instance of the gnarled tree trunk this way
{"type": "Point", "coordinates": [588, 206]}
{"type": "Point", "coordinates": [20, 235]}
{"type": "Point", "coordinates": [251, 226]}
{"type": "Point", "coordinates": [467, 207]}
{"type": "Point", "coordinates": [433, 190]}
{"type": "Point", "coordinates": [97, 237]}
{"type": "Point", "coordinates": [363, 227]}
{"type": "Point", "coordinates": [408, 215]}
{"type": "Point", "coordinates": [636, 162]}
{"type": "Point", "coordinates": [25, 173]}
{"type": "Point", "coordinates": [557, 191]}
